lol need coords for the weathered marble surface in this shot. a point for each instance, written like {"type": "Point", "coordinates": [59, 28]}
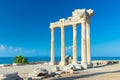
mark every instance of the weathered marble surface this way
{"type": "Point", "coordinates": [9, 76]}
{"type": "Point", "coordinates": [79, 16]}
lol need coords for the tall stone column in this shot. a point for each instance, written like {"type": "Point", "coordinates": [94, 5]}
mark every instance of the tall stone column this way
{"type": "Point", "coordinates": [75, 44]}
{"type": "Point", "coordinates": [62, 46]}
{"type": "Point", "coordinates": [89, 62]}
{"type": "Point", "coordinates": [83, 46]}
{"type": "Point", "coordinates": [52, 47]}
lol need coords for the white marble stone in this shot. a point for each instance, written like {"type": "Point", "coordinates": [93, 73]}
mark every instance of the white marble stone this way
{"type": "Point", "coordinates": [63, 62]}
{"type": "Point", "coordinates": [56, 68]}
{"type": "Point", "coordinates": [75, 44]}
{"type": "Point", "coordinates": [79, 16]}
{"type": "Point", "coordinates": [69, 67]}
{"type": "Point", "coordinates": [52, 47]}
{"type": "Point", "coordinates": [38, 73]}
{"type": "Point", "coordinates": [83, 46]}
{"type": "Point", "coordinates": [9, 76]}
{"type": "Point", "coordinates": [89, 62]}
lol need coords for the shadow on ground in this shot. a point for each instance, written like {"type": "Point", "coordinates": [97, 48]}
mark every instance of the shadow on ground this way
{"type": "Point", "coordinates": [86, 76]}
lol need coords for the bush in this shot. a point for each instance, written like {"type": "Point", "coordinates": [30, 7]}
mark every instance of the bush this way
{"type": "Point", "coordinates": [20, 59]}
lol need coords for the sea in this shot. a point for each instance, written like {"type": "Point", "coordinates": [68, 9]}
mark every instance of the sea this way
{"type": "Point", "coordinates": [10, 60]}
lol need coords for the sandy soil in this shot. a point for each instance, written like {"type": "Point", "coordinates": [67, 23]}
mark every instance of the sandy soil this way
{"type": "Point", "coordinates": [111, 72]}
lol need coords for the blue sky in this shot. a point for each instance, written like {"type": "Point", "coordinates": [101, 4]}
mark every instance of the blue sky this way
{"type": "Point", "coordinates": [24, 26]}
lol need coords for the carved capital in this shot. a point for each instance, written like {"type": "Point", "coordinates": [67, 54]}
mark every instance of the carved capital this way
{"type": "Point", "coordinates": [90, 12]}
{"type": "Point", "coordinates": [82, 14]}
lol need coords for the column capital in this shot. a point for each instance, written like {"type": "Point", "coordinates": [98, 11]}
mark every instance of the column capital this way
{"type": "Point", "coordinates": [52, 28]}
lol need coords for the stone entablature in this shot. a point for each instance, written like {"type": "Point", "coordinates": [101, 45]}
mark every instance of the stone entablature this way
{"type": "Point", "coordinates": [78, 16]}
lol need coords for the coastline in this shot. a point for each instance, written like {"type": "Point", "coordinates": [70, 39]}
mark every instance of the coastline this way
{"type": "Point", "coordinates": [92, 73]}
{"type": "Point", "coordinates": [10, 60]}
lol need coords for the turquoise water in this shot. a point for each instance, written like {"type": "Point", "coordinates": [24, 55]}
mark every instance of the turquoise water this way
{"type": "Point", "coordinates": [10, 60]}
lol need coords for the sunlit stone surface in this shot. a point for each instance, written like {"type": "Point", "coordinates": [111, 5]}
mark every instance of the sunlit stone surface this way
{"type": "Point", "coordinates": [79, 16]}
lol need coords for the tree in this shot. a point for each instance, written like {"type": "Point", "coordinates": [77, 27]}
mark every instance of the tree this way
{"type": "Point", "coordinates": [20, 59]}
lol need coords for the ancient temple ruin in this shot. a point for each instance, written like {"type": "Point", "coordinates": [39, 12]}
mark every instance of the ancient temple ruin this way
{"type": "Point", "coordinates": [79, 16]}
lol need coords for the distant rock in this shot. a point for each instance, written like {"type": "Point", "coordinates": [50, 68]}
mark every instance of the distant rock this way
{"type": "Point", "coordinates": [5, 65]}
{"type": "Point", "coordinates": [68, 59]}
{"type": "Point", "coordinates": [17, 64]}
{"type": "Point", "coordinates": [46, 63]}
{"type": "Point", "coordinates": [95, 65]}
{"type": "Point", "coordinates": [104, 63]}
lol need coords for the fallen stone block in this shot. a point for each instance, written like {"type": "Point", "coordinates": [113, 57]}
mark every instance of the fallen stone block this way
{"type": "Point", "coordinates": [51, 73]}
{"type": "Point", "coordinates": [78, 66]}
{"type": "Point", "coordinates": [56, 68]}
{"type": "Point", "coordinates": [9, 76]}
{"type": "Point", "coordinates": [38, 74]}
{"type": "Point", "coordinates": [69, 67]}
{"type": "Point", "coordinates": [60, 72]}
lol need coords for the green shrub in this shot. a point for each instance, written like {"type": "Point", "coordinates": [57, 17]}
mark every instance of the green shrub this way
{"type": "Point", "coordinates": [20, 59]}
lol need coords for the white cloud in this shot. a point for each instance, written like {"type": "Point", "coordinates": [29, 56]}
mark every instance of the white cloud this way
{"type": "Point", "coordinates": [18, 50]}
{"type": "Point", "coordinates": [29, 51]}
{"type": "Point", "coordinates": [69, 48]}
{"type": "Point", "coordinates": [10, 47]}
{"type": "Point", "coordinates": [15, 50]}
{"type": "Point", "coordinates": [2, 48]}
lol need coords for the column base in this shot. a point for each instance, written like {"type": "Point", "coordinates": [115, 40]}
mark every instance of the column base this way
{"type": "Point", "coordinates": [84, 65]}
{"type": "Point", "coordinates": [63, 63]}
{"type": "Point", "coordinates": [90, 65]}
{"type": "Point", "coordinates": [51, 63]}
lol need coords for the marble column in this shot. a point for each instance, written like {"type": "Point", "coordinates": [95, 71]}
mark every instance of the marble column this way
{"type": "Point", "coordinates": [83, 46]}
{"type": "Point", "coordinates": [62, 46]}
{"type": "Point", "coordinates": [74, 44]}
{"type": "Point", "coordinates": [89, 62]}
{"type": "Point", "coordinates": [52, 47]}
